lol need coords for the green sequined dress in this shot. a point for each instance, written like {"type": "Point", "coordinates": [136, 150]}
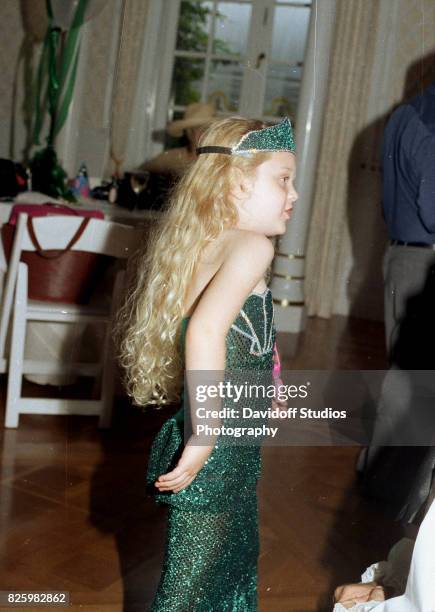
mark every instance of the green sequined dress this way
{"type": "Point", "coordinates": [212, 545]}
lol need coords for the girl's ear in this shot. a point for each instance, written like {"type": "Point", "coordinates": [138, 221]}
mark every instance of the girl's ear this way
{"type": "Point", "coordinates": [241, 185]}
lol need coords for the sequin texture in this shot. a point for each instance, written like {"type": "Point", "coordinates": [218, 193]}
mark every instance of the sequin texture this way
{"type": "Point", "coordinates": [278, 137]}
{"type": "Point", "coordinates": [212, 546]}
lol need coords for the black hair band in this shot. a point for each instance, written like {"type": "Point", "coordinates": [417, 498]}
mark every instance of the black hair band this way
{"type": "Point", "coordinates": [212, 149]}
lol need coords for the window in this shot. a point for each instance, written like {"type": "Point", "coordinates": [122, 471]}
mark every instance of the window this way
{"type": "Point", "coordinates": [235, 52]}
{"type": "Point", "coordinates": [245, 56]}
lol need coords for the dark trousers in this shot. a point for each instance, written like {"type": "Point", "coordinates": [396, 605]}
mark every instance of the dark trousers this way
{"type": "Point", "coordinates": [401, 474]}
{"type": "Point", "coordinates": [408, 299]}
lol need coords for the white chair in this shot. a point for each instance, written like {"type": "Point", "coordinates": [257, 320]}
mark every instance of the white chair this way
{"type": "Point", "coordinates": [54, 232]}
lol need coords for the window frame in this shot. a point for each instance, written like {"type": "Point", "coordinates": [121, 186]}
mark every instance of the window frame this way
{"type": "Point", "coordinates": [154, 109]}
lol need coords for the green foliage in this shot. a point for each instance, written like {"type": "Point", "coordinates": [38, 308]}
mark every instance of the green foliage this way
{"type": "Point", "coordinates": [192, 33]}
{"type": "Point", "coordinates": [187, 72]}
{"type": "Point", "coordinates": [193, 36]}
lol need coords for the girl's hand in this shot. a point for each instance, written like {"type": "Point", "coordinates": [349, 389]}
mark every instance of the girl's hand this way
{"type": "Point", "coordinates": [191, 461]}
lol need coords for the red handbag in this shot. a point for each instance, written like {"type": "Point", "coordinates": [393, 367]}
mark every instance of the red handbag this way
{"type": "Point", "coordinates": [57, 275]}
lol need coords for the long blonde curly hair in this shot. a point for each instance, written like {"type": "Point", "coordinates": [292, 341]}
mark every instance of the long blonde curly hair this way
{"type": "Point", "coordinates": [149, 323]}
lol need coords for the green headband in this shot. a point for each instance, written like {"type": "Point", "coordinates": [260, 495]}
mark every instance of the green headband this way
{"type": "Point", "coordinates": [278, 137]}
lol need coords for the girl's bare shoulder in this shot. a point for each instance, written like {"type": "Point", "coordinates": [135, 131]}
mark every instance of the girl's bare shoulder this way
{"type": "Point", "coordinates": [232, 241]}
{"type": "Point", "coordinates": [242, 243]}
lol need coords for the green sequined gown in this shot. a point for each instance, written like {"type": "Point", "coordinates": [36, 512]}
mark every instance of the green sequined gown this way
{"type": "Point", "coordinates": [212, 545]}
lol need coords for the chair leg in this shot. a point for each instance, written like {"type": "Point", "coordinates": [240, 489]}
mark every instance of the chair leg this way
{"type": "Point", "coordinates": [15, 370]}
{"type": "Point", "coordinates": [9, 289]}
{"type": "Point", "coordinates": [108, 374]}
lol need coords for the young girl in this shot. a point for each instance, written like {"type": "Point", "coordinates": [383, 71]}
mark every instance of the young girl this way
{"type": "Point", "coordinates": [201, 303]}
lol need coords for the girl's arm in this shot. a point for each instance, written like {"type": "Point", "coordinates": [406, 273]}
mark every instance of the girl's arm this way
{"type": "Point", "coordinates": [249, 255]}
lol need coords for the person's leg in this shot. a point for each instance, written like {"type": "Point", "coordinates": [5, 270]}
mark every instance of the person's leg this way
{"type": "Point", "coordinates": [406, 275]}
{"type": "Point", "coordinates": [391, 471]}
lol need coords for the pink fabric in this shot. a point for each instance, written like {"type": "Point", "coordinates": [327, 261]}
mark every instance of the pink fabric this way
{"type": "Point", "coordinates": [276, 362]}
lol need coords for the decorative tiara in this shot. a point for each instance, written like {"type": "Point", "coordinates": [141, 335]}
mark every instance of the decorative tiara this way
{"type": "Point", "coordinates": [278, 137]}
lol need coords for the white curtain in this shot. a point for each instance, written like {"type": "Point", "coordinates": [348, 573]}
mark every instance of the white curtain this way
{"type": "Point", "coordinates": [330, 242]}
{"type": "Point", "coordinates": [133, 21]}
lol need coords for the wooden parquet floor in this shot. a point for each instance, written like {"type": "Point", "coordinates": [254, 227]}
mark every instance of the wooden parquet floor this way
{"type": "Point", "coordinates": [74, 516]}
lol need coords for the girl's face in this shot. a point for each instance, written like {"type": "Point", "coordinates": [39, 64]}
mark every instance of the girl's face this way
{"type": "Point", "coordinates": [265, 200]}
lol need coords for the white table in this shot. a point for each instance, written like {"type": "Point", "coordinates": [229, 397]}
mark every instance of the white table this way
{"type": "Point", "coordinates": [113, 212]}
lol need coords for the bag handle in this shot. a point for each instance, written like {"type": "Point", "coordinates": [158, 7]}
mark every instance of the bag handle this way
{"type": "Point", "coordinates": [54, 254]}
